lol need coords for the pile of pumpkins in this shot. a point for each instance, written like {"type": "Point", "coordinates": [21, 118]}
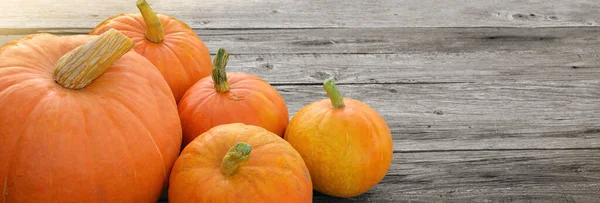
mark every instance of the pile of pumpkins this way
{"type": "Point", "coordinates": [137, 107]}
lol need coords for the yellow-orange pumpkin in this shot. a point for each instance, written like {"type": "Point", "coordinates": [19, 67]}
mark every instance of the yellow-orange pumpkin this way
{"type": "Point", "coordinates": [239, 163]}
{"type": "Point", "coordinates": [171, 45]}
{"type": "Point", "coordinates": [231, 98]}
{"type": "Point", "coordinates": [83, 119]}
{"type": "Point", "coordinates": [346, 145]}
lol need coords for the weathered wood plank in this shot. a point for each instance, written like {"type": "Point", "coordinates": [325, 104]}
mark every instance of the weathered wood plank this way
{"type": "Point", "coordinates": [414, 55]}
{"type": "Point", "coordinates": [476, 116]}
{"type": "Point", "coordinates": [488, 176]}
{"type": "Point", "coordinates": [420, 67]}
{"type": "Point", "coordinates": [311, 13]}
{"type": "Point", "coordinates": [578, 40]}
{"type": "Point", "coordinates": [405, 40]}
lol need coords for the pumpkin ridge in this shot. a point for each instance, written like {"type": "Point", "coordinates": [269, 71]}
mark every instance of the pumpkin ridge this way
{"type": "Point", "coordinates": [207, 99]}
{"type": "Point", "coordinates": [195, 110]}
{"type": "Point", "coordinates": [27, 68]}
{"type": "Point", "coordinates": [246, 105]}
{"type": "Point", "coordinates": [130, 26]}
{"type": "Point", "coordinates": [162, 160]}
{"type": "Point", "coordinates": [17, 41]}
{"type": "Point", "coordinates": [375, 128]}
{"type": "Point", "coordinates": [19, 83]}
{"type": "Point", "coordinates": [212, 113]}
{"type": "Point", "coordinates": [124, 148]}
{"type": "Point", "coordinates": [192, 195]}
{"type": "Point", "coordinates": [270, 93]}
{"type": "Point", "coordinates": [259, 191]}
{"type": "Point", "coordinates": [37, 64]}
{"type": "Point", "coordinates": [160, 155]}
{"type": "Point", "coordinates": [261, 118]}
{"type": "Point", "coordinates": [372, 128]}
{"type": "Point", "coordinates": [325, 114]}
{"type": "Point", "coordinates": [91, 162]}
{"type": "Point", "coordinates": [376, 139]}
{"type": "Point", "coordinates": [146, 47]}
{"type": "Point", "coordinates": [139, 19]}
{"type": "Point", "coordinates": [354, 176]}
{"type": "Point", "coordinates": [18, 148]}
{"type": "Point", "coordinates": [187, 77]}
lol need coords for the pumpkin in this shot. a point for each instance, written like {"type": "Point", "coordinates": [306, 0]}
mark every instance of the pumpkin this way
{"type": "Point", "coordinates": [83, 119]}
{"type": "Point", "coordinates": [171, 45]}
{"type": "Point", "coordinates": [239, 163]}
{"type": "Point", "coordinates": [346, 145]}
{"type": "Point", "coordinates": [231, 98]}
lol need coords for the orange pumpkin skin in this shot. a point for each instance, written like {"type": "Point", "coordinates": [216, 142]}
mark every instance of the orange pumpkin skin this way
{"type": "Point", "coordinates": [275, 172]}
{"type": "Point", "coordinates": [250, 100]}
{"type": "Point", "coordinates": [347, 150]}
{"type": "Point", "coordinates": [182, 58]}
{"type": "Point", "coordinates": [112, 141]}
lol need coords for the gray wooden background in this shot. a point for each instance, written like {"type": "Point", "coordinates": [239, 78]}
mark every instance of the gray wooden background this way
{"type": "Point", "coordinates": [487, 100]}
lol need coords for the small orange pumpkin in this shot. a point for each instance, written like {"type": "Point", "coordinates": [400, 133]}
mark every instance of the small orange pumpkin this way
{"type": "Point", "coordinates": [171, 45]}
{"type": "Point", "coordinates": [83, 119]}
{"type": "Point", "coordinates": [231, 98]}
{"type": "Point", "coordinates": [346, 145]}
{"type": "Point", "coordinates": [260, 167]}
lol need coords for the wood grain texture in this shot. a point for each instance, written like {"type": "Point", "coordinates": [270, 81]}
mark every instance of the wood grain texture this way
{"type": "Point", "coordinates": [311, 13]}
{"type": "Point", "coordinates": [476, 116]}
{"type": "Point", "coordinates": [409, 55]}
{"type": "Point", "coordinates": [413, 68]}
{"type": "Point", "coordinates": [488, 176]}
{"type": "Point", "coordinates": [578, 40]}
{"type": "Point", "coordinates": [405, 40]}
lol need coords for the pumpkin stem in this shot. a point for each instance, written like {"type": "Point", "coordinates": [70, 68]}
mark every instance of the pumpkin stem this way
{"type": "Point", "coordinates": [154, 29]}
{"type": "Point", "coordinates": [82, 65]}
{"type": "Point", "coordinates": [218, 73]}
{"type": "Point", "coordinates": [337, 100]}
{"type": "Point", "coordinates": [236, 155]}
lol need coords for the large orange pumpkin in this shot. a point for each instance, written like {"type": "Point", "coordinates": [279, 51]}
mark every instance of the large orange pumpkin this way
{"type": "Point", "coordinates": [346, 145]}
{"type": "Point", "coordinates": [231, 98]}
{"type": "Point", "coordinates": [171, 45]}
{"type": "Point", "coordinates": [83, 119]}
{"type": "Point", "coordinates": [239, 163]}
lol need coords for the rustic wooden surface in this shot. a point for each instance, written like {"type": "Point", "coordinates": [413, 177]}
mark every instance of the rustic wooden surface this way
{"type": "Point", "coordinates": [488, 101]}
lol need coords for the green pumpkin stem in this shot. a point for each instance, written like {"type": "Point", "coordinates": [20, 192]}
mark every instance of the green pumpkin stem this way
{"type": "Point", "coordinates": [218, 73]}
{"type": "Point", "coordinates": [337, 100]}
{"type": "Point", "coordinates": [234, 157]}
{"type": "Point", "coordinates": [82, 65]}
{"type": "Point", "coordinates": [154, 29]}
